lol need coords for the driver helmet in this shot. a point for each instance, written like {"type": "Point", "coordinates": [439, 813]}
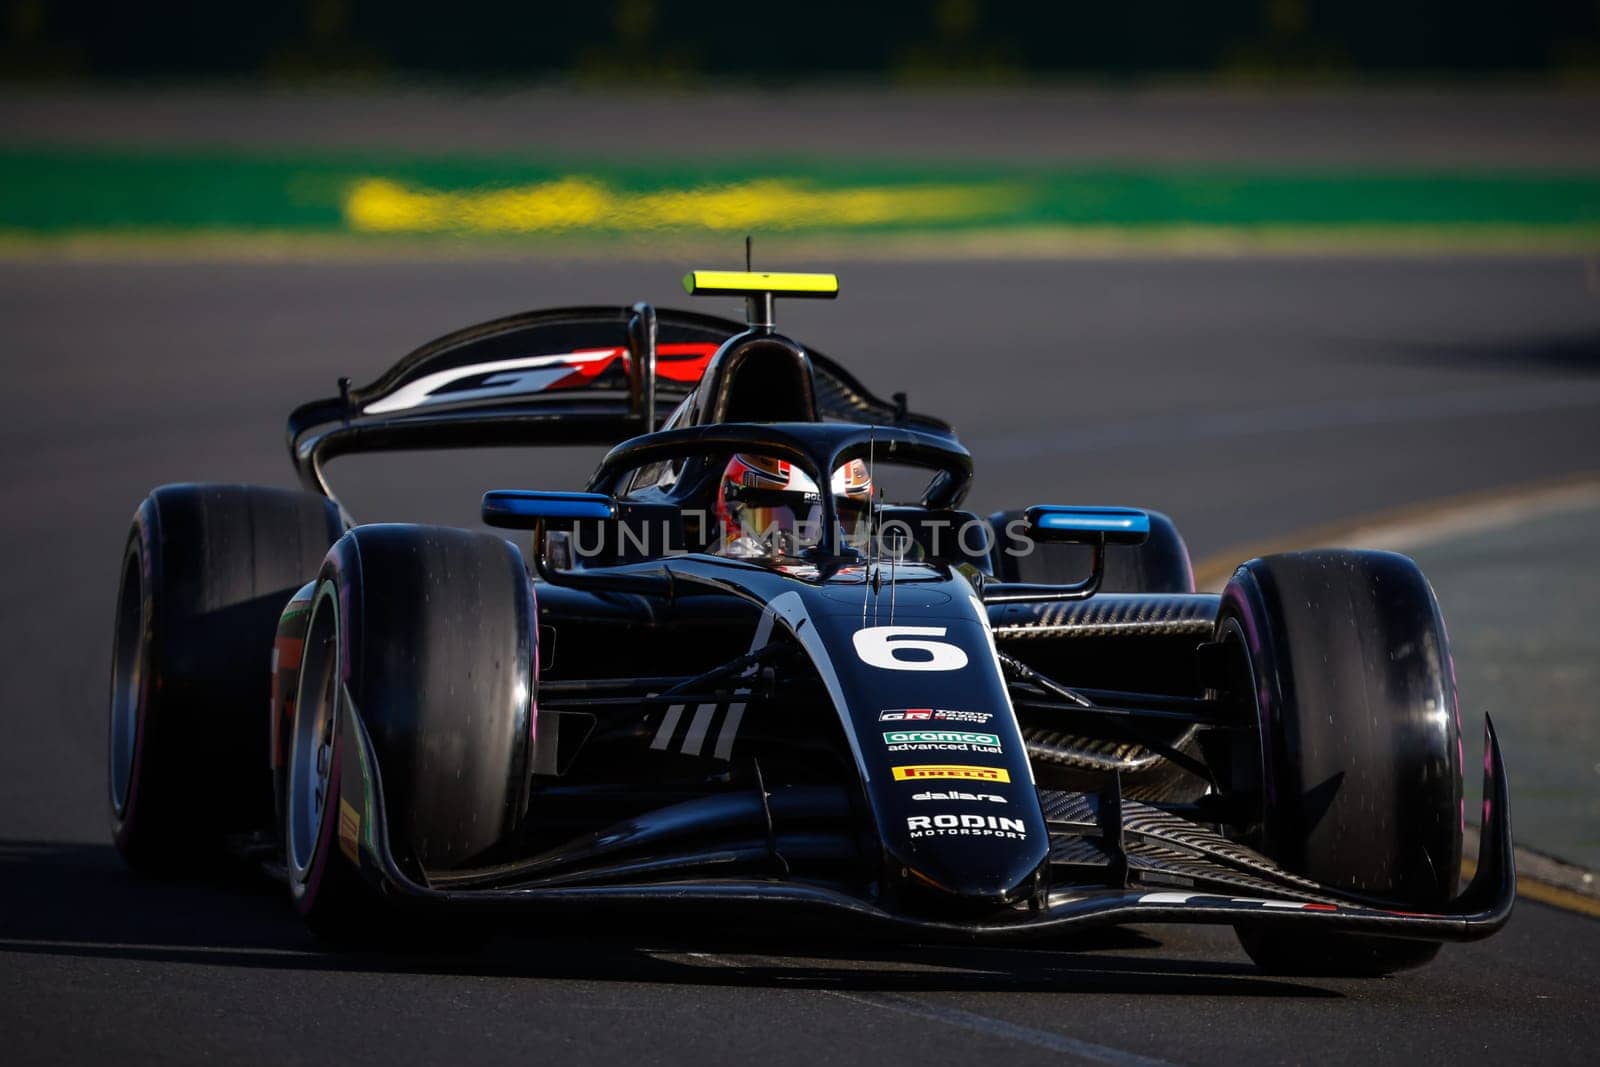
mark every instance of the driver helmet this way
{"type": "Point", "coordinates": [770, 507]}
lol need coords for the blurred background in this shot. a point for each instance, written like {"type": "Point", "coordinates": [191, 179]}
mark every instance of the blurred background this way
{"type": "Point", "coordinates": [897, 41]}
{"type": "Point", "coordinates": [956, 125]}
{"type": "Point", "coordinates": [1292, 271]}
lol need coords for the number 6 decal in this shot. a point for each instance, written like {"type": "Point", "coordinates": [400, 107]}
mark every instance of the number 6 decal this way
{"type": "Point", "coordinates": [907, 648]}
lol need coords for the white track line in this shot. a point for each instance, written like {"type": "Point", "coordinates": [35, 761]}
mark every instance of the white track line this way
{"type": "Point", "coordinates": [992, 1027]}
{"type": "Point", "coordinates": [960, 1018]}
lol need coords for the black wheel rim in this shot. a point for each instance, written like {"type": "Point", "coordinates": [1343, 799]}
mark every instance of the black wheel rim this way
{"type": "Point", "coordinates": [128, 656]}
{"type": "Point", "coordinates": [311, 752]}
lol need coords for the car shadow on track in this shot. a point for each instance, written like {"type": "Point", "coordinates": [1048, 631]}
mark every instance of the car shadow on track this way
{"type": "Point", "coordinates": [1546, 353]}
{"type": "Point", "coordinates": [79, 900]}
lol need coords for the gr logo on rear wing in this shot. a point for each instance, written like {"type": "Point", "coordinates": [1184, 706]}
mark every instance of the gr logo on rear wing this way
{"type": "Point", "coordinates": [566, 376]}
{"type": "Point", "coordinates": [523, 377]}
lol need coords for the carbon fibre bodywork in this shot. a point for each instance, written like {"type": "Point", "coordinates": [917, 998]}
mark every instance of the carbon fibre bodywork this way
{"type": "Point", "coordinates": [879, 745]}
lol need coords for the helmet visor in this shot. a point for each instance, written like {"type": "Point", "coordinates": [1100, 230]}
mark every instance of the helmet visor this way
{"type": "Point", "coordinates": [784, 523]}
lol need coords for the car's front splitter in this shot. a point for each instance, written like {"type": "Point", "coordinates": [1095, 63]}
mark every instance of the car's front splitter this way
{"type": "Point", "coordinates": [1481, 909]}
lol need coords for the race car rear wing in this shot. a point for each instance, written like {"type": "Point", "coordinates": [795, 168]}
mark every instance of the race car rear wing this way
{"type": "Point", "coordinates": [565, 376]}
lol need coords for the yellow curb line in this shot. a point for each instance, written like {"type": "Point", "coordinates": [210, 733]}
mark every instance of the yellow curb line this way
{"type": "Point", "coordinates": [1212, 572]}
{"type": "Point", "coordinates": [1554, 895]}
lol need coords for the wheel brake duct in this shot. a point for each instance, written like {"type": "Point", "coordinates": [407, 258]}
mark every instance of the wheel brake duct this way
{"type": "Point", "coordinates": [1119, 719]}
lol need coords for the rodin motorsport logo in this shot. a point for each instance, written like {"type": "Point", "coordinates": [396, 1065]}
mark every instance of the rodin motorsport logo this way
{"type": "Point", "coordinates": [966, 826]}
{"type": "Point", "coordinates": [951, 770]}
{"type": "Point", "coordinates": [941, 741]}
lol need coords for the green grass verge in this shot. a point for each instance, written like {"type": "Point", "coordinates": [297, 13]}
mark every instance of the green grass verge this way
{"type": "Point", "coordinates": [78, 196]}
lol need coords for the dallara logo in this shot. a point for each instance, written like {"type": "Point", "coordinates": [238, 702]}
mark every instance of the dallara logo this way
{"type": "Point", "coordinates": [980, 774]}
{"type": "Point", "coordinates": [956, 794]}
{"type": "Point", "coordinates": [966, 826]}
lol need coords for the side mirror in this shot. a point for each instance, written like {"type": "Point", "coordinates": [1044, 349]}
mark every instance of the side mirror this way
{"type": "Point", "coordinates": [1117, 526]}
{"type": "Point", "coordinates": [1095, 527]}
{"type": "Point", "coordinates": [528, 509]}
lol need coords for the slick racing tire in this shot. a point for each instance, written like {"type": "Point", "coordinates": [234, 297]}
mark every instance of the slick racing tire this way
{"type": "Point", "coordinates": [1348, 669]}
{"type": "Point", "coordinates": [205, 571]}
{"type": "Point", "coordinates": [1160, 565]}
{"type": "Point", "coordinates": [419, 644]}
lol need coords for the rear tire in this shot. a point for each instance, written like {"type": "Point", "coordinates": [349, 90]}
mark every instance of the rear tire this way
{"type": "Point", "coordinates": [1352, 685]}
{"type": "Point", "coordinates": [205, 572]}
{"type": "Point", "coordinates": [1160, 565]}
{"type": "Point", "coordinates": [426, 637]}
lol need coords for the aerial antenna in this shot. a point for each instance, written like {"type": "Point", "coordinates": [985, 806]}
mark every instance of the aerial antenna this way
{"type": "Point", "coordinates": [894, 558]}
{"type": "Point", "coordinates": [870, 586]}
{"type": "Point", "coordinates": [757, 306]}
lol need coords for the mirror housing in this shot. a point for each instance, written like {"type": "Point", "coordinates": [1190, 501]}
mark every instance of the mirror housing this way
{"type": "Point", "coordinates": [528, 509]}
{"type": "Point", "coordinates": [1058, 522]}
{"type": "Point", "coordinates": [531, 509]}
{"type": "Point", "coordinates": [1095, 527]}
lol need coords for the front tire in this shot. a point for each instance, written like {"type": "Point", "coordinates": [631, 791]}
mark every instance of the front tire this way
{"type": "Point", "coordinates": [422, 637]}
{"type": "Point", "coordinates": [1349, 678]}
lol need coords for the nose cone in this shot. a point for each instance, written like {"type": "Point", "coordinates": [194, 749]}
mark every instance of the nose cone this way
{"type": "Point", "coordinates": [963, 855]}
{"type": "Point", "coordinates": [942, 760]}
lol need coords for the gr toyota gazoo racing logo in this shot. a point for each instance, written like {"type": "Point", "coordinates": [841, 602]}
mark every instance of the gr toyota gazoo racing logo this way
{"type": "Point", "coordinates": [977, 718]}
{"type": "Point", "coordinates": [966, 826]}
{"type": "Point", "coordinates": [941, 741]}
{"type": "Point", "coordinates": [906, 715]}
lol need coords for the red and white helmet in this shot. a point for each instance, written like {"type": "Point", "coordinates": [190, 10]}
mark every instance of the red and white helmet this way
{"type": "Point", "coordinates": [770, 507]}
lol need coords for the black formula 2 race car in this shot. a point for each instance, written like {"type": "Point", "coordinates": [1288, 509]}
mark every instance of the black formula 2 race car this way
{"type": "Point", "coordinates": [765, 660]}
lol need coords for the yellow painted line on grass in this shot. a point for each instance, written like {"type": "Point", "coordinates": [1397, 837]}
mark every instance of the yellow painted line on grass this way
{"type": "Point", "coordinates": [383, 205]}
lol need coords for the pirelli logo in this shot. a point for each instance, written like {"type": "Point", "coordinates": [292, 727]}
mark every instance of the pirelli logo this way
{"type": "Point", "coordinates": [951, 770]}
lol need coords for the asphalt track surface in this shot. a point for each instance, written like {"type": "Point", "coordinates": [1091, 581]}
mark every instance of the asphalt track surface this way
{"type": "Point", "coordinates": [1380, 128]}
{"type": "Point", "coordinates": [1247, 398]}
